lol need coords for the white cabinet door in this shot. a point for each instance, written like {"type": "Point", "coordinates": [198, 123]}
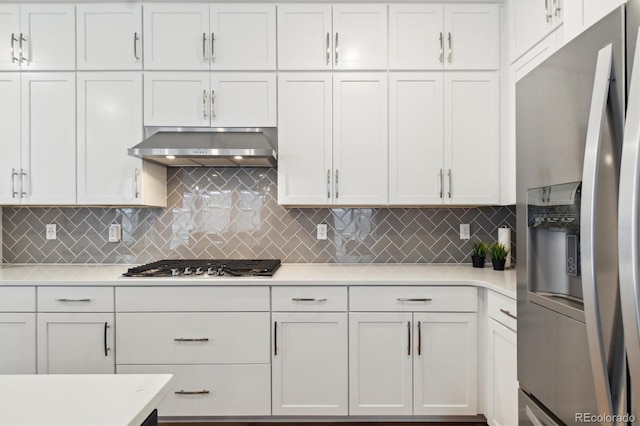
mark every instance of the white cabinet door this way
{"type": "Point", "coordinates": [445, 364]}
{"type": "Point", "coordinates": [531, 21]}
{"type": "Point", "coordinates": [109, 36]}
{"type": "Point", "coordinates": [18, 348]}
{"type": "Point", "coordinates": [49, 137]}
{"type": "Point", "coordinates": [304, 139]}
{"type": "Point", "coordinates": [109, 122]}
{"type": "Point", "coordinates": [176, 99]}
{"type": "Point", "coordinates": [10, 142]}
{"type": "Point", "coordinates": [243, 99]}
{"type": "Point", "coordinates": [9, 37]}
{"type": "Point", "coordinates": [305, 39]}
{"type": "Point", "coordinates": [416, 40]}
{"type": "Point", "coordinates": [502, 396]}
{"type": "Point", "coordinates": [73, 343]}
{"type": "Point", "coordinates": [243, 36]}
{"type": "Point", "coordinates": [472, 36]}
{"type": "Point", "coordinates": [176, 36]}
{"type": "Point", "coordinates": [471, 135]}
{"type": "Point", "coordinates": [380, 358]}
{"type": "Point", "coordinates": [360, 36]}
{"type": "Point", "coordinates": [360, 138]}
{"type": "Point", "coordinates": [416, 150]}
{"type": "Point", "coordinates": [309, 362]}
{"type": "Point", "coordinates": [50, 37]}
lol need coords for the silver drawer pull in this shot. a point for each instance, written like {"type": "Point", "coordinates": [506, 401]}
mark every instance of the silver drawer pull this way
{"type": "Point", "coordinates": [309, 299]}
{"type": "Point", "coordinates": [509, 314]}
{"type": "Point", "coordinates": [73, 300]}
{"type": "Point", "coordinates": [184, 392]}
{"type": "Point", "coordinates": [409, 299]}
{"type": "Point", "coordinates": [182, 339]}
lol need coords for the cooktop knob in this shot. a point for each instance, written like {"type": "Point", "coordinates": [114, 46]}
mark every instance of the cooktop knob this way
{"type": "Point", "coordinates": [210, 271]}
{"type": "Point", "coordinates": [220, 271]}
{"type": "Point", "coordinates": [187, 270]}
{"type": "Point", "coordinates": [199, 271]}
{"type": "Point", "coordinates": [175, 272]}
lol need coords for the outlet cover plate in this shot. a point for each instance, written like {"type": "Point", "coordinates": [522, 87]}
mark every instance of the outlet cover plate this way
{"type": "Point", "coordinates": [465, 231]}
{"type": "Point", "coordinates": [321, 232]}
{"type": "Point", "coordinates": [51, 231]}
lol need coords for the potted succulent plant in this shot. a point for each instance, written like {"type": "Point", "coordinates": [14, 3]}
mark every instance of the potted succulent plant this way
{"type": "Point", "coordinates": [498, 254]}
{"type": "Point", "coordinates": [479, 254]}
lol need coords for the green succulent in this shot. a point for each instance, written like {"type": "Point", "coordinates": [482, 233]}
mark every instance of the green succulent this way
{"type": "Point", "coordinates": [480, 249]}
{"type": "Point", "coordinates": [498, 251]}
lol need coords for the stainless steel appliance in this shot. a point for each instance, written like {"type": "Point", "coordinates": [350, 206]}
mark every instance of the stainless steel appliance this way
{"type": "Point", "coordinates": [196, 268]}
{"type": "Point", "coordinates": [578, 184]}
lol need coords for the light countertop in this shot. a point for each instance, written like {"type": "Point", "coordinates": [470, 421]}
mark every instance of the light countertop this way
{"type": "Point", "coordinates": [80, 399]}
{"type": "Point", "coordinates": [503, 282]}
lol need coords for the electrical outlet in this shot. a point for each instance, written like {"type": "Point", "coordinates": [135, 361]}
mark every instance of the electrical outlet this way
{"type": "Point", "coordinates": [465, 231]}
{"type": "Point", "coordinates": [321, 232]}
{"type": "Point", "coordinates": [51, 231]}
{"type": "Point", "coordinates": [115, 232]}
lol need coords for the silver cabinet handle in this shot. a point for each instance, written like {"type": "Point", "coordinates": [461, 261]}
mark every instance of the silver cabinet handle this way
{"type": "Point", "coordinates": [13, 54]}
{"type": "Point", "coordinates": [556, 7]}
{"type": "Point", "coordinates": [184, 392]}
{"type": "Point", "coordinates": [213, 104]}
{"type": "Point", "coordinates": [275, 338]}
{"type": "Point", "coordinates": [136, 190]}
{"type": "Point", "coordinates": [336, 48]}
{"type": "Point", "coordinates": [64, 299]}
{"type": "Point", "coordinates": [450, 48]}
{"type": "Point", "coordinates": [419, 339]}
{"type": "Point", "coordinates": [136, 58]}
{"type": "Point", "coordinates": [408, 337]}
{"type": "Point", "coordinates": [547, 15]}
{"type": "Point", "coordinates": [14, 193]}
{"type": "Point", "coordinates": [328, 48]}
{"type": "Point", "coordinates": [182, 339]}
{"type": "Point", "coordinates": [441, 184]}
{"type": "Point", "coordinates": [309, 299]}
{"type": "Point", "coordinates": [441, 48]}
{"type": "Point", "coordinates": [106, 348]}
{"type": "Point", "coordinates": [411, 299]}
{"type": "Point", "coordinates": [22, 39]}
{"type": "Point", "coordinates": [450, 187]}
{"type": "Point", "coordinates": [337, 187]}
{"type": "Point", "coordinates": [509, 314]}
{"type": "Point", "coordinates": [204, 103]}
{"type": "Point", "coordinates": [23, 193]}
{"type": "Point", "coordinates": [213, 47]}
{"type": "Point", "coordinates": [328, 184]}
{"type": "Point", "coordinates": [204, 47]}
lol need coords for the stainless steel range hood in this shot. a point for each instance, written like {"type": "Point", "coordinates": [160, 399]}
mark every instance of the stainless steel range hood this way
{"type": "Point", "coordinates": [208, 147]}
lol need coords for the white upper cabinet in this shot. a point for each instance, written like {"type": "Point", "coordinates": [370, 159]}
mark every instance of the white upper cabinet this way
{"type": "Point", "coordinates": [10, 143]}
{"type": "Point", "coordinates": [243, 36]}
{"type": "Point", "coordinates": [243, 99]}
{"type": "Point", "coordinates": [360, 36]}
{"type": "Point", "coordinates": [436, 37]}
{"type": "Point", "coordinates": [176, 99]}
{"type": "Point", "coordinates": [530, 22]}
{"type": "Point", "coordinates": [109, 36]}
{"type": "Point", "coordinates": [305, 39]}
{"type": "Point", "coordinates": [195, 36]}
{"type": "Point", "coordinates": [38, 37]}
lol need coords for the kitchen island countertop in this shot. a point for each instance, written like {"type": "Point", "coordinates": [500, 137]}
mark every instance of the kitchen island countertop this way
{"type": "Point", "coordinates": [503, 282]}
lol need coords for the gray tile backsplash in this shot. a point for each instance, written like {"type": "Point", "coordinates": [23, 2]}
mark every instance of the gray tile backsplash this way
{"type": "Point", "coordinates": [233, 213]}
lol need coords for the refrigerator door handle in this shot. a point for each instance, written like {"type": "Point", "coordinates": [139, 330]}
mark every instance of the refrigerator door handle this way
{"type": "Point", "coordinates": [628, 233]}
{"type": "Point", "coordinates": [587, 229]}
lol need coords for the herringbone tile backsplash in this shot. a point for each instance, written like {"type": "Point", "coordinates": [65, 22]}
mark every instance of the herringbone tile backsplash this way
{"type": "Point", "coordinates": [234, 213]}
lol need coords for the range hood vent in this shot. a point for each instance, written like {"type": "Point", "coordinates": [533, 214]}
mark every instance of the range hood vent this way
{"type": "Point", "coordinates": [208, 147]}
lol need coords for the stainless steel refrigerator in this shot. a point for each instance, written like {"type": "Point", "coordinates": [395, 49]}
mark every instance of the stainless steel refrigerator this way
{"type": "Point", "coordinates": [578, 184]}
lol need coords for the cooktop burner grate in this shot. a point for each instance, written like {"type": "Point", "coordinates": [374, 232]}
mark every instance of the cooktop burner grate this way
{"type": "Point", "coordinates": [206, 267]}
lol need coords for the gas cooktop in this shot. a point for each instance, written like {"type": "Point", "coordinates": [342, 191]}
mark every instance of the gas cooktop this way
{"type": "Point", "coordinates": [191, 268]}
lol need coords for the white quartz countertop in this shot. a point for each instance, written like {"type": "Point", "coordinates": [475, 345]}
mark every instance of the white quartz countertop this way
{"type": "Point", "coordinates": [80, 399]}
{"type": "Point", "coordinates": [503, 282]}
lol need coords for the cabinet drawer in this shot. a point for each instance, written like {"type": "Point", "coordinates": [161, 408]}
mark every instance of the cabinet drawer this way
{"type": "Point", "coordinates": [17, 299]}
{"type": "Point", "coordinates": [193, 338]}
{"type": "Point", "coordinates": [413, 299]}
{"type": "Point", "coordinates": [301, 299]}
{"type": "Point", "coordinates": [502, 309]}
{"type": "Point", "coordinates": [185, 299]}
{"type": "Point", "coordinates": [219, 390]}
{"type": "Point", "coordinates": [75, 299]}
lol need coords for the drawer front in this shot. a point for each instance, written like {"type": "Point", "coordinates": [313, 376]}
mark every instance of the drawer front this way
{"type": "Point", "coordinates": [17, 299]}
{"type": "Point", "coordinates": [502, 309]}
{"type": "Point", "coordinates": [195, 299]}
{"type": "Point", "coordinates": [413, 299]}
{"type": "Point", "coordinates": [218, 390]}
{"type": "Point", "coordinates": [314, 299]}
{"type": "Point", "coordinates": [193, 338]}
{"type": "Point", "coordinates": [75, 299]}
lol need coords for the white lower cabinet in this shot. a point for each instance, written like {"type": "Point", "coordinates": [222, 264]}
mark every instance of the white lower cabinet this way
{"type": "Point", "coordinates": [17, 330]}
{"type": "Point", "coordinates": [309, 362]}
